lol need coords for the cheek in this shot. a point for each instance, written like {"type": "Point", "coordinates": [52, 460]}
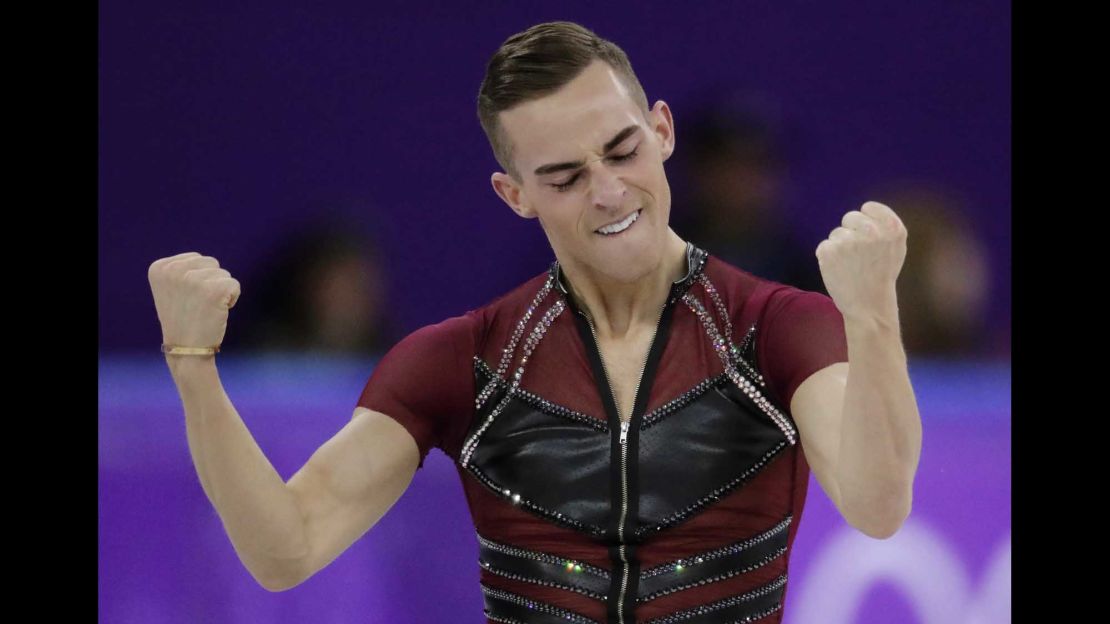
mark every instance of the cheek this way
{"type": "Point", "coordinates": [560, 219]}
{"type": "Point", "coordinates": [654, 182]}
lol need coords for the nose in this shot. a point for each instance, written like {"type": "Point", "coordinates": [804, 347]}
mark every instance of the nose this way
{"type": "Point", "coordinates": [607, 190]}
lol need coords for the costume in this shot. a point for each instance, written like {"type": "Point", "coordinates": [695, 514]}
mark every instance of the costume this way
{"type": "Point", "coordinates": [685, 514]}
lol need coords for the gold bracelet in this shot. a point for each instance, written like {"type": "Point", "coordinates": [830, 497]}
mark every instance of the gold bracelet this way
{"type": "Point", "coordinates": [172, 350]}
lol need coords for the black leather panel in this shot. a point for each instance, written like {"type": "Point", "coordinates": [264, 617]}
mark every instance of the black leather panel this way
{"type": "Point", "coordinates": [712, 566]}
{"type": "Point", "coordinates": [697, 454]}
{"type": "Point", "coordinates": [561, 467]}
{"type": "Point", "coordinates": [556, 464]}
{"type": "Point", "coordinates": [545, 569]}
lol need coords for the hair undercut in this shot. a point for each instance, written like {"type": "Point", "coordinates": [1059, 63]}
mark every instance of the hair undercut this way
{"type": "Point", "coordinates": [537, 62]}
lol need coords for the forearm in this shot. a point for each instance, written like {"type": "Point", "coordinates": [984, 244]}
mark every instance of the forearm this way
{"type": "Point", "coordinates": [880, 441]}
{"type": "Point", "coordinates": [259, 513]}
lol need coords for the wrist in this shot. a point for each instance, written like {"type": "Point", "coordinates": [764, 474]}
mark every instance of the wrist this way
{"type": "Point", "coordinates": [173, 349]}
{"type": "Point", "coordinates": [871, 323]}
{"type": "Point", "coordinates": [878, 315]}
{"type": "Point", "coordinates": [183, 367]}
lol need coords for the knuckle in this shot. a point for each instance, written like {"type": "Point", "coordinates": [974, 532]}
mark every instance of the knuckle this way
{"type": "Point", "coordinates": [178, 267]}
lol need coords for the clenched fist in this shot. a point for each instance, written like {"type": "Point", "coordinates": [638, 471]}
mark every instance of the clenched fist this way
{"type": "Point", "coordinates": [860, 262]}
{"type": "Point", "coordinates": [192, 295]}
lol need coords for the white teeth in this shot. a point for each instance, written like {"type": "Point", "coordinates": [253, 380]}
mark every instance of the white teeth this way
{"type": "Point", "coordinates": [620, 226]}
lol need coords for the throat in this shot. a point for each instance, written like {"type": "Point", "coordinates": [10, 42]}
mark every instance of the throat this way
{"type": "Point", "coordinates": [625, 363]}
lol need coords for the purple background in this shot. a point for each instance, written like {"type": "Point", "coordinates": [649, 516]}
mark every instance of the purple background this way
{"type": "Point", "coordinates": [164, 557]}
{"type": "Point", "coordinates": [225, 125]}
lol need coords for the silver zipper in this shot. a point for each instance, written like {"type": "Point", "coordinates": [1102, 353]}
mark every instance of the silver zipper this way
{"type": "Point", "coordinates": [624, 450]}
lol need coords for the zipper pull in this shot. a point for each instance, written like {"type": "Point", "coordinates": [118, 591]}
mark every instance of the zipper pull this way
{"type": "Point", "coordinates": [624, 432]}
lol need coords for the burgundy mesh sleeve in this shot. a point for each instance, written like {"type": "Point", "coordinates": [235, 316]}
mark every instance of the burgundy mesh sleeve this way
{"type": "Point", "coordinates": [802, 332]}
{"type": "Point", "coordinates": [426, 382]}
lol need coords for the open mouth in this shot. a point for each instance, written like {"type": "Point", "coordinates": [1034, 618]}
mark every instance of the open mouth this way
{"type": "Point", "coordinates": [618, 228]}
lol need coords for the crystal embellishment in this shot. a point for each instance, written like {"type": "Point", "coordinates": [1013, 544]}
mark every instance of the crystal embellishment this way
{"type": "Point", "coordinates": [529, 345]}
{"type": "Point", "coordinates": [510, 349]}
{"type": "Point", "coordinates": [742, 382]}
{"type": "Point", "coordinates": [541, 607]}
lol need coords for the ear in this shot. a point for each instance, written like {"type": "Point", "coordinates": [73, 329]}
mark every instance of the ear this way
{"type": "Point", "coordinates": [663, 125]}
{"type": "Point", "coordinates": [512, 193]}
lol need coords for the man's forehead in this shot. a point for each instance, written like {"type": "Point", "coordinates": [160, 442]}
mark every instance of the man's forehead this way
{"type": "Point", "coordinates": [579, 118]}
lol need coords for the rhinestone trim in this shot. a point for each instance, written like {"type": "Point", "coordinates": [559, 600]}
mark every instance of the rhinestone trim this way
{"type": "Point", "coordinates": [543, 404]}
{"type": "Point", "coordinates": [542, 607]}
{"type": "Point", "coordinates": [508, 351]}
{"type": "Point", "coordinates": [530, 344]}
{"type": "Point", "coordinates": [649, 419]}
{"type": "Point", "coordinates": [558, 410]}
{"type": "Point", "coordinates": [715, 578]}
{"type": "Point", "coordinates": [741, 381]}
{"type": "Point", "coordinates": [504, 620]}
{"type": "Point", "coordinates": [736, 353]}
{"type": "Point", "coordinates": [746, 341]}
{"type": "Point", "coordinates": [538, 581]}
{"type": "Point", "coordinates": [542, 557]}
{"type": "Point", "coordinates": [739, 358]}
{"type": "Point", "coordinates": [681, 401]}
{"type": "Point", "coordinates": [717, 303]}
{"type": "Point", "coordinates": [713, 496]}
{"type": "Point", "coordinates": [724, 551]}
{"type": "Point", "coordinates": [516, 499]}
{"type": "Point", "coordinates": [727, 602]}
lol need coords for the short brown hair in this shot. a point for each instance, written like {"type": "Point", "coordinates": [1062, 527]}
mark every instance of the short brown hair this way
{"type": "Point", "coordinates": [537, 62]}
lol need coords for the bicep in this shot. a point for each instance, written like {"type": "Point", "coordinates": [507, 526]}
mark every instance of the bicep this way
{"type": "Point", "coordinates": [350, 482]}
{"type": "Point", "coordinates": [803, 354]}
{"type": "Point", "coordinates": [817, 409]}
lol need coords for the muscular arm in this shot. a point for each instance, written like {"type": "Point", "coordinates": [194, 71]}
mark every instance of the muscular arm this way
{"type": "Point", "coordinates": [853, 404]}
{"type": "Point", "coordinates": [861, 430]}
{"type": "Point", "coordinates": [350, 482]}
{"type": "Point", "coordinates": [286, 532]}
{"type": "Point", "coordinates": [865, 417]}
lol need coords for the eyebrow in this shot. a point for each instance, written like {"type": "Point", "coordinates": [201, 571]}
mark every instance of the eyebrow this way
{"type": "Point", "coordinates": [613, 142]}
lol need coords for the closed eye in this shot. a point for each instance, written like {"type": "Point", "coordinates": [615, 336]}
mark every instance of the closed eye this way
{"type": "Point", "coordinates": [563, 187]}
{"type": "Point", "coordinates": [628, 156]}
{"type": "Point", "coordinates": [566, 185]}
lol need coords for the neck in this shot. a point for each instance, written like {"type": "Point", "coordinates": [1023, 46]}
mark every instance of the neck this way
{"type": "Point", "coordinates": [618, 308]}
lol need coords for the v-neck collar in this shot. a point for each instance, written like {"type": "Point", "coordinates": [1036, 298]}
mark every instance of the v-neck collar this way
{"type": "Point", "coordinates": [695, 264]}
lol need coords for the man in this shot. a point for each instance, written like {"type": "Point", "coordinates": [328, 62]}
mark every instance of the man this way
{"type": "Point", "coordinates": [633, 427]}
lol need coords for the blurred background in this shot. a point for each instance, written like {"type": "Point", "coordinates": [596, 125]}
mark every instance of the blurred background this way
{"type": "Point", "coordinates": [330, 157]}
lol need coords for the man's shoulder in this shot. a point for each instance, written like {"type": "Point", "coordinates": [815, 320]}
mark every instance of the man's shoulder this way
{"type": "Point", "coordinates": [741, 288]}
{"type": "Point", "coordinates": [757, 304]}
